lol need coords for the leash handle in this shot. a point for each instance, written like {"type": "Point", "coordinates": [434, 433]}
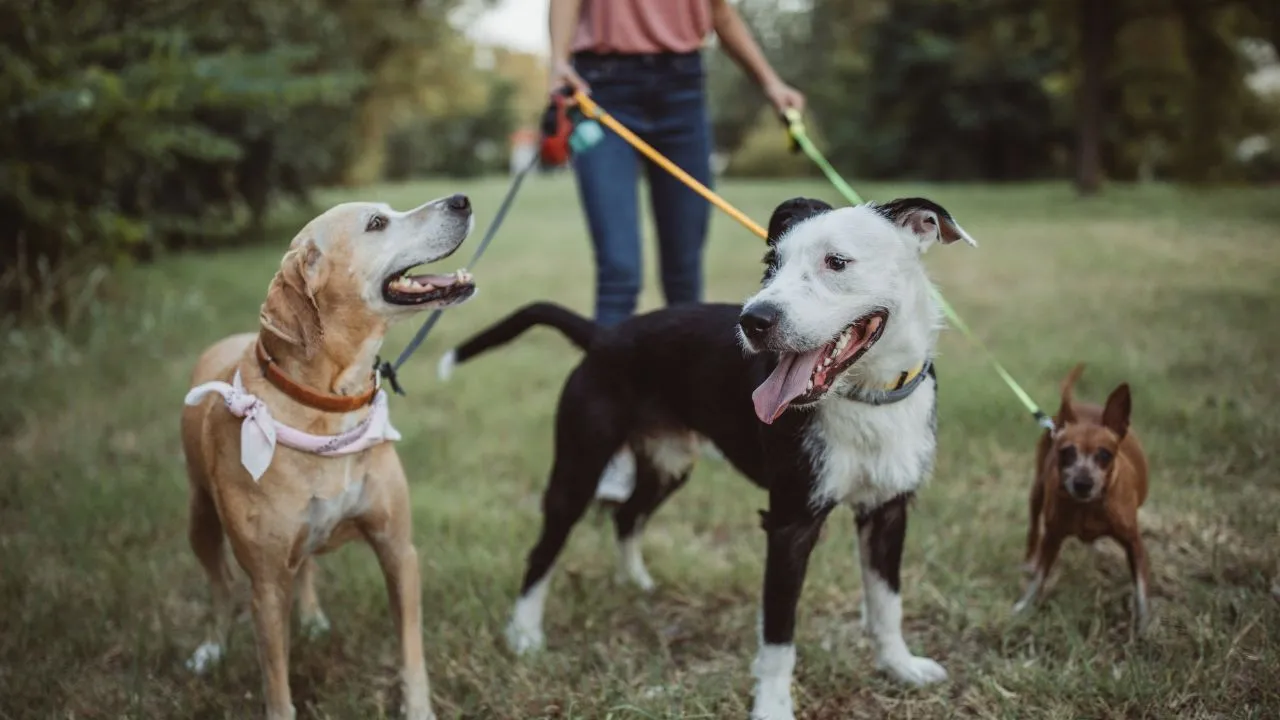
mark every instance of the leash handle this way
{"type": "Point", "coordinates": [593, 111]}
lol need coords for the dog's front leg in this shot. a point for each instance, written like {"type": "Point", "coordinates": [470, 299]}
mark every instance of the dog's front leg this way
{"type": "Point", "coordinates": [313, 620]}
{"type": "Point", "coordinates": [1046, 555]}
{"type": "Point", "coordinates": [791, 540]}
{"type": "Point", "coordinates": [1034, 524]}
{"type": "Point", "coordinates": [1137, 554]}
{"type": "Point", "coordinates": [392, 543]}
{"type": "Point", "coordinates": [400, 565]}
{"type": "Point", "coordinates": [272, 591]}
{"type": "Point", "coordinates": [881, 533]}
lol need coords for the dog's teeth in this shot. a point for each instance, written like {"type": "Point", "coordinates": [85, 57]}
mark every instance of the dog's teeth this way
{"type": "Point", "coordinates": [809, 387]}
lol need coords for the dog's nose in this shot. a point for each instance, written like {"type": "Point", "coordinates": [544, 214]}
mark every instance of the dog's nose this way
{"type": "Point", "coordinates": [757, 320]}
{"type": "Point", "coordinates": [1080, 488]}
{"type": "Point", "coordinates": [459, 203]}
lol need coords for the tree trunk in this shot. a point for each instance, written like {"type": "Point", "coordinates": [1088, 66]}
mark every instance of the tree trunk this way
{"type": "Point", "coordinates": [1096, 36]}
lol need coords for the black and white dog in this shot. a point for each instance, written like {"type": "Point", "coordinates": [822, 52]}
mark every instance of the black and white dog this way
{"type": "Point", "coordinates": [820, 389]}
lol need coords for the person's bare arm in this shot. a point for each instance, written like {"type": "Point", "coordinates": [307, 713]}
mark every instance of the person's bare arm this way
{"type": "Point", "coordinates": [563, 21]}
{"type": "Point", "coordinates": [739, 45]}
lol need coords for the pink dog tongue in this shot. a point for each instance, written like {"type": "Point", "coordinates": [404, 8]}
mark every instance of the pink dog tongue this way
{"type": "Point", "coordinates": [786, 383]}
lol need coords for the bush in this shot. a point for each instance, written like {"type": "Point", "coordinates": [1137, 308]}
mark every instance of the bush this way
{"type": "Point", "coordinates": [462, 143]}
{"type": "Point", "coordinates": [124, 131]}
{"type": "Point", "coordinates": [764, 152]}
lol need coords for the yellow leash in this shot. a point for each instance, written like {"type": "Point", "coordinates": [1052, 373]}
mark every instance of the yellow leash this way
{"type": "Point", "coordinates": [797, 133]}
{"type": "Point", "coordinates": [595, 112]}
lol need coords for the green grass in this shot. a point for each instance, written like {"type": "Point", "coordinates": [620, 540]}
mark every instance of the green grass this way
{"type": "Point", "coordinates": [1176, 292]}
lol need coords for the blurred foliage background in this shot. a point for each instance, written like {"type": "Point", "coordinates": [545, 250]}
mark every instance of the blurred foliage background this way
{"type": "Point", "coordinates": [131, 128]}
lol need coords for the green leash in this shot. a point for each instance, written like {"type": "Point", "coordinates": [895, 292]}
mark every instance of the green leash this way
{"type": "Point", "coordinates": [800, 138]}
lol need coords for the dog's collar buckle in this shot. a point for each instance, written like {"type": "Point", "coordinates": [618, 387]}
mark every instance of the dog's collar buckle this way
{"type": "Point", "coordinates": [900, 391]}
{"type": "Point", "coordinates": [328, 402]}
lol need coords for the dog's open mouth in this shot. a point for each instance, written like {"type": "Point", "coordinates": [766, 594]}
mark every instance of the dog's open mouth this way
{"type": "Point", "coordinates": [803, 378]}
{"type": "Point", "coordinates": [403, 288]}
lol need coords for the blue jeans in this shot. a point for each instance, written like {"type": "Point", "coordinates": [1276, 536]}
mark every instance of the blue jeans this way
{"type": "Point", "coordinates": [661, 99]}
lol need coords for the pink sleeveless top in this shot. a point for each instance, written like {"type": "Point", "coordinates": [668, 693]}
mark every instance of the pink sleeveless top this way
{"type": "Point", "coordinates": [630, 27]}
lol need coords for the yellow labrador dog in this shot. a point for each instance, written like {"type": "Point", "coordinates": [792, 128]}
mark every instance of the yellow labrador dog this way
{"type": "Point", "coordinates": [287, 440]}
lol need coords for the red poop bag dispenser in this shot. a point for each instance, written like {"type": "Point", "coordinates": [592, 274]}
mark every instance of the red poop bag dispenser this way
{"type": "Point", "coordinates": [566, 131]}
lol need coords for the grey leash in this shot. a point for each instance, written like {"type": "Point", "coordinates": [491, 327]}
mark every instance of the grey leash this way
{"type": "Point", "coordinates": [388, 370]}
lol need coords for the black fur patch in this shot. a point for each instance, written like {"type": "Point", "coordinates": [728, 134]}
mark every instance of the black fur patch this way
{"type": "Point", "coordinates": [895, 209]}
{"type": "Point", "coordinates": [784, 217]}
{"type": "Point", "coordinates": [886, 528]}
{"type": "Point", "coordinates": [786, 563]}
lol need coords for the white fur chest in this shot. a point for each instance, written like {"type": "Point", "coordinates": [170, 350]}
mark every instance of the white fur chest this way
{"type": "Point", "coordinates": [324, 514]}
{"type": "Point", "coordinates": [865, 454]}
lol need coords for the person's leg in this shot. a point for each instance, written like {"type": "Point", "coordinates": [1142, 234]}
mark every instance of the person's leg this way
{"type": "Point", "coordinates": [681, 131]}
{"type": "Point", "coordinates": [606, 176]}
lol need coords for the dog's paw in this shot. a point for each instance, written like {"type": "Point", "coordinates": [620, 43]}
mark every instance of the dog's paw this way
{"type": "Point", "coordinates": [419, 714]}
{"type": "Point", "coordinates": [637, 577]}
{"type": "Point", "coordinates": [316, 626]}
{"type": "Point", "coordinates": [772, 703]}
{"type": "Point", "coordinates": [1029, 596]}
{"type": "Point", "coordinates": [523, 640]}
{"type": "Point", "coordinates": [632, 570]}
{"type": "Point", "coordinates": [205, 657]}
{"type": "Point", "coordinates": [1021, 607]}
{"type": "Point", "coordinates": [913, 670]}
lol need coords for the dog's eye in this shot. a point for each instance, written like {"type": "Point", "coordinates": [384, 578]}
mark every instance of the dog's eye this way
{"type": "Point", "coordinates": [836, 263]}
{"type": "Point", "coordinates": [376, 223]}
{"type": "Point", "coordinates": [1066, 456]}
{"type": "Point", "coordinates": [1103, 457]}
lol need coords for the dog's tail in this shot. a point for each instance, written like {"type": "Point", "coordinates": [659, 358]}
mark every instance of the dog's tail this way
{"type": "Point", "coordinates": [1069, 384]}
{"type": "Point", "coordinates": [578, 329]}
{"type": "Point", "coordinates": [1065, 412]}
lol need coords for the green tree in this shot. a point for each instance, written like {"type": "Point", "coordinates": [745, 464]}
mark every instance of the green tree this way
{"type": "Point", "coordinates": [127, 128]}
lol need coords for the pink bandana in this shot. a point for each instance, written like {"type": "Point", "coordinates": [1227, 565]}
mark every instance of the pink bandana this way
{"type": "Point", "coordinates": [260, 432]}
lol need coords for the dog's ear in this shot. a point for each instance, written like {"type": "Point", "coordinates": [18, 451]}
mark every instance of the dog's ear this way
{"type": "Point", "coordinates": [291, 311]}
{"type": "Point", "coordinates": [792, 211]}
{"type": "Point", "coordinates": [1066, 414]}
{"type": "Point", "coordinates": [928, 221]}
{"type": "Point", "coordinates": [1115, 416]}
{"type": "Point", "coordinates": [784, 217]}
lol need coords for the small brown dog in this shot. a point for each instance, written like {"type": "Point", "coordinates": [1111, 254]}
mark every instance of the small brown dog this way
{"type": "Point", "coordinates": [1091, 478]}
{"type": "Point", "coordinates": [297, 456]}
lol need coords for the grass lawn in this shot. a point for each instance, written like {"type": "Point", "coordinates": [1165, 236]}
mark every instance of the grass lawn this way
{"type": "Point", "coordinates": [1178, 293]}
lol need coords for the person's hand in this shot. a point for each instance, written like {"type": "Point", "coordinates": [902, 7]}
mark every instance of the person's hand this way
{"type": "Point", "coordinates": [783, 96]}
{"type": "Point", "coordinates": [563, 75]}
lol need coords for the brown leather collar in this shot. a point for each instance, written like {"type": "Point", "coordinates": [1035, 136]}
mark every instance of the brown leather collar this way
{"type": "Point", "coordinates": [327, 402]}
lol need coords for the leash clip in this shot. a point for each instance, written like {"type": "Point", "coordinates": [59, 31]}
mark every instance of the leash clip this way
{"type": "Point", "coordinates": [384, 369]}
